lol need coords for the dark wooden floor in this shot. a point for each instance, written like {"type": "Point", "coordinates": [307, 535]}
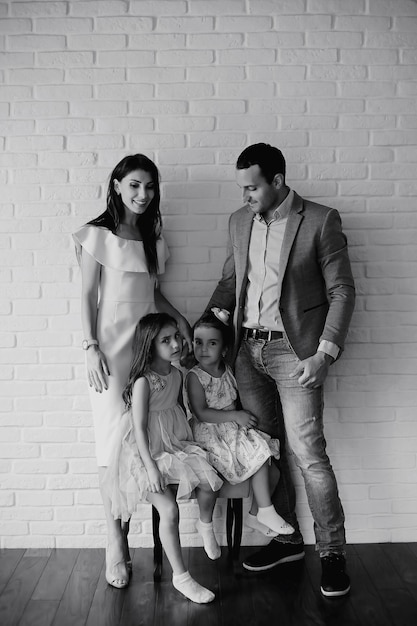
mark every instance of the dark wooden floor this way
{"type": "Point", "coordinates": [68, 588]}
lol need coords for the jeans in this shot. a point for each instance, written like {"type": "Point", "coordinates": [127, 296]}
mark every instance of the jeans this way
{"type": "Point", "coordinates": [294, 415]}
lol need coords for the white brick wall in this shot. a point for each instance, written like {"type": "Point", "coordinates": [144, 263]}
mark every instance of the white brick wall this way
{"type": "Point", "coordinates": [191, 83]}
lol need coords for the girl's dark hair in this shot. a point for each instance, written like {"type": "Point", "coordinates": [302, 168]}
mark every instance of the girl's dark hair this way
{"type": "Point", "coordinates": [146, 331]}
{"type": "Point", "coordinates": [271, 161]}
{"type": "Point", "coordinates": [149, 223]}
{"type": "Point", "coordinates": [210, 320]}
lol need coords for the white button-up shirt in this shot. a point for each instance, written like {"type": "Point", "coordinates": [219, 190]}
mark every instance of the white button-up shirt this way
{"type": "Point", "coordinates": [261, 305]}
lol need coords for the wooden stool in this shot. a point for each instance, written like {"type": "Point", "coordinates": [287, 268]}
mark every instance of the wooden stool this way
{"type": "Point", "coordinates": [234, 524]}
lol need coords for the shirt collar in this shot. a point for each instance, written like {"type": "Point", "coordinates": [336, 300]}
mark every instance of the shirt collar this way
{"type": "Point", "coordinates": [282, 210]}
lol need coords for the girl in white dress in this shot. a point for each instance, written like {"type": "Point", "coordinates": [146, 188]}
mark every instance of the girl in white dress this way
{"type": "Point", "coordinates": [120, 253]}
{"type": "Point", "coordinates": [155, 458]}
{"type": "Point", "coordinates": [235, 447]}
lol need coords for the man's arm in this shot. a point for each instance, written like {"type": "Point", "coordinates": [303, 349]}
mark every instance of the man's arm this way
{"type": "Point", "coordinates": [224, 295]}
{"type": "Point", "coordinates": [337, 274]}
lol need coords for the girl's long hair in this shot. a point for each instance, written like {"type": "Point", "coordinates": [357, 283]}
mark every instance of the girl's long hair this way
{"type": "Point", "coordinates": [146, 332]}
{"type": "Point", "coordinates": [149, 223]}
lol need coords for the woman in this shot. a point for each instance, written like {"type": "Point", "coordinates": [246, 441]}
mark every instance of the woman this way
{"type": "Point", "coordinates": [120, 253]}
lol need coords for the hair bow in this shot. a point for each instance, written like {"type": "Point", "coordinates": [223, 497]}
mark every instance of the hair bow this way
{"type": "Point", "coordinates": [221, 315]}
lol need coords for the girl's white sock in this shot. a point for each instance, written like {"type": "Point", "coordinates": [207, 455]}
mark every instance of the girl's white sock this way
{"type": "Point", "coordinates": [252, 522]}
{"type": "Point", "coordinates": [267, 515]}
{"type": "Point", "coordinates": [211, 546]}
{"type": "Point", "coordinates": [191, 589]}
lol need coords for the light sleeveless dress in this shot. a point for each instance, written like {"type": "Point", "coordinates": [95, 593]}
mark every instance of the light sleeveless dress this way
{"type": "Point", "coordinates": [126, 293]}
{"type": "Point", "coordinates": [237, 452]}
{"type": "Point", "coordinates": [180, 460]}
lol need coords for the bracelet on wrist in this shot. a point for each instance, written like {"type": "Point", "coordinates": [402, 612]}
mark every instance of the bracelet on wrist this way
{"type": "Point", "coordinates": [89, 342]}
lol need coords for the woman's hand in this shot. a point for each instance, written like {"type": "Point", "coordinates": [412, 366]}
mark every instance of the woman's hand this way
{"type": "Point", "coordinates": [97, 369]}
{"type": "Point", "coordinates": [185, 330]}
{"type": "Point", "coordinates": [246, 419]}
{"type": "Point", "coordinates": [156, 480]}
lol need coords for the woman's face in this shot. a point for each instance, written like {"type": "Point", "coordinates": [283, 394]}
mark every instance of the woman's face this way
{"type": "Point", "coordinates": [137, 190]}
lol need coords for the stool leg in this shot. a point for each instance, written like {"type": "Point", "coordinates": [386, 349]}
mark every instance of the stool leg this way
{"type": "Point", "coordinates": [237, 536]}
{"type": "Point", "coordinates": [157, 546]}
{"type": "Point", "coordinates": [234, 523]}
{"type": "Point", "coordinates": [229, 525]}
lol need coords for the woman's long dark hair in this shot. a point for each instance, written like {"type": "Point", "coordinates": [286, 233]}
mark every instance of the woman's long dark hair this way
{"type": "Point", "coordinates": [150, 222]}
{"type": "Point", "coordinates": [146, 332]}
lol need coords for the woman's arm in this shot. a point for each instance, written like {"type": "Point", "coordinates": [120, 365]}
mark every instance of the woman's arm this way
{"type": "Point", "coordinates": [181, 395]}
{"type": "Point", "coordinates": [97, 369]}
{"type": "Point", "coordinates": [164, 306]}
{"type": "Point", "coordinates": [140, 412]}
{"type": "Point", "coordinates": [204, 413]}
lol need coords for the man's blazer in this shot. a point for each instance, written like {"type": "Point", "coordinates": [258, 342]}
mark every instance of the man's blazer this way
{"type": "Point", "coordinates": [315, 290]}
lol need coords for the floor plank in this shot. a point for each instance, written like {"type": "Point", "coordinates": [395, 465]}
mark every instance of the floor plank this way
{"type": "Point", "coordinates": [404, 561]}
{"type": "Point", "coordinates": [401, 606]}
{"type": "Point", "coordinates": [379, 567]}
{"type": "Point", "coordinates": [39, 613]}
{"type": "Point", "coordinates": [78, 595]}
{"type": "Point", "coordinates": [19, 589]}
{"type": "Point", "coordinates": [8, 562]}
{"type": "Point", "coordinates": [55, 576]}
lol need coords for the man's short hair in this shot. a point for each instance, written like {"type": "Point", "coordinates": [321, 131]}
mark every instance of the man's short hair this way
{"type": "Point", "coordinates": [270, 160]}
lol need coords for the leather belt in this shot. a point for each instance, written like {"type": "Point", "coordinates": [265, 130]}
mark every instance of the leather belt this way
{"type": "Point", "coordinates": [266, 335]}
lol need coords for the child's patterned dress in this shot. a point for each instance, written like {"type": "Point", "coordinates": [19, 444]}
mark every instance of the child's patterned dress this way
{"type": "Point", "coordinates": [180, 460]}
{"type": "Point", "coordinates": [237, 452]}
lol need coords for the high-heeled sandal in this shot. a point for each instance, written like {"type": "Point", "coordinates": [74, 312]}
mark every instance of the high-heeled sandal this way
{"type": "Point", "coordinates": [119, 582]}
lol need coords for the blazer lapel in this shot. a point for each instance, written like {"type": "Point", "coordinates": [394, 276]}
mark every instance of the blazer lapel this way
{"type": "Point", "coordinates": [243, 233]}
{"type": "Point", "coordinates": [295, 217]}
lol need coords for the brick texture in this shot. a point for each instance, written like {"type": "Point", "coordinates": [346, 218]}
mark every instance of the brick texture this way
{"type": "Point", "coordinates": [190, 83]}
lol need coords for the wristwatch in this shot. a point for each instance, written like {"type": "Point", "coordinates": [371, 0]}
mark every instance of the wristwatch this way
{"type": "Point", "coordinates": [89, 342]}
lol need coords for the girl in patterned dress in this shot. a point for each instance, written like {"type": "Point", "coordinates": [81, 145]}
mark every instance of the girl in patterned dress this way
{"type": "Point", "coordinates": [235, 447]}
{"type": "Point", "coordinates": [155, 458]}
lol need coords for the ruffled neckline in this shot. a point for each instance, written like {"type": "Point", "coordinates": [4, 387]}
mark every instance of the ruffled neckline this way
{"type": "Point", "coordinates": [116, 252]}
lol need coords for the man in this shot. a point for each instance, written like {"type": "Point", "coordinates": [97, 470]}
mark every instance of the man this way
{"type": "Point", "coordinates": [288, 279]}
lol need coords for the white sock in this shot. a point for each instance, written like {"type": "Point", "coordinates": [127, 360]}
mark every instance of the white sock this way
{"type": "Point", "coordinates": [252, 522]}
{"type": "Point", "coordinates": [191, 589]}
{"type": "Point", "coordinates": [267, 515]}
{"type": "Point", "coordinates": [211, 546]}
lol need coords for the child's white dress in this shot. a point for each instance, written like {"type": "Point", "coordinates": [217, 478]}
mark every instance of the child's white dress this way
{"type": "Point", "coordinates": [237, 452]}
{"type": "Point", "coordinates": [180, 460]}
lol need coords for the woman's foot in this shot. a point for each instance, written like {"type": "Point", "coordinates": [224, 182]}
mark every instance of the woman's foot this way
{"type": "Point", "coordinates": [212, 548]}
{"type": "Point", "coordinates": [252, 522]}
{"type": "Point", "coordinates": [191, 589]}
{"type": "Point", "coordinates": [268, 516]}
{"type": "Point", "coordinates": [116, 571]}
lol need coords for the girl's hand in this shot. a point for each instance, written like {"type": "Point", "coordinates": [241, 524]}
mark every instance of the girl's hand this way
{"type": "Point", "coordinates": [246, 419]}
{"type": "Point", "coordinates": [156, 480]}
{"type": "Point", "coordinates": [97, 369]}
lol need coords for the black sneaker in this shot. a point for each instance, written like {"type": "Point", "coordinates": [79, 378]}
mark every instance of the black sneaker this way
{"type": "Point", "coordinates": [334, 580]}
{"type": "Point", "coordinates": [275, 553]}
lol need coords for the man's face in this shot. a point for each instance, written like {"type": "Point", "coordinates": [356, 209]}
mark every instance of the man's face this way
{"type": "Point", "coordinates": [261, 196]}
